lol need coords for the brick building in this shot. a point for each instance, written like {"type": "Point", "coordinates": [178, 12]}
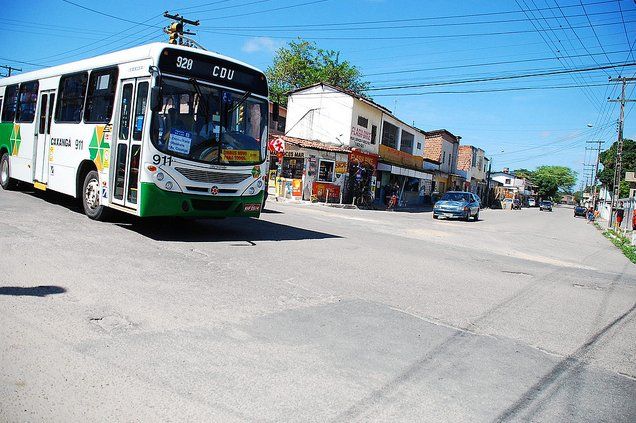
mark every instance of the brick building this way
{"type": "Point", "coordinates": [471, 165]}
{"type": "Point", "coordinates": [442, 146]}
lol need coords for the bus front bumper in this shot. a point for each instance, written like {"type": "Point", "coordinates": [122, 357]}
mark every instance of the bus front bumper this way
{"type": "Point", "coordinates": [157, 202]}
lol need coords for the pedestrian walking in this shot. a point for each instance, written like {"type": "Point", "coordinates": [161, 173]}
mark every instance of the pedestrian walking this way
{"type": "Point", "coordinates": [590, 214]}
{"type": "Point", "coordinates": [620, 213]}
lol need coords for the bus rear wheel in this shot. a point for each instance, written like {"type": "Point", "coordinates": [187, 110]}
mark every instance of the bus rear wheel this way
{"type": "Point", "coordinates": [90, 197]}
{"type": "Point", "coordinates": [5, 181]}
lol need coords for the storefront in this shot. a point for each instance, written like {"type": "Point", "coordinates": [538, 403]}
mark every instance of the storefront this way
{"type": "Point", "coordinates": [402, 174]}
{"type": "Point", "coordinates": [310, 170]}
{"type": "Point", "coordinates": [361, 176]}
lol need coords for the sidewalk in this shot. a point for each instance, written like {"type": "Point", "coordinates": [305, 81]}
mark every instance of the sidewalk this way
{"type": "Point", "coordinates": [374, 207]}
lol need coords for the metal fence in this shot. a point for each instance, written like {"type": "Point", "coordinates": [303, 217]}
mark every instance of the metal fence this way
{"type": "Point", "coordinates": [629, 205]}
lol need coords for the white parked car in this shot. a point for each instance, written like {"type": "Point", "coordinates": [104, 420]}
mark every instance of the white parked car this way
{"type": "Point", "coordinates": [532, 202]}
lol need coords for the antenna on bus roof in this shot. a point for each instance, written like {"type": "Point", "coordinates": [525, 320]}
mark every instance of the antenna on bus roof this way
{"type": "Point", "coordinates": [176, 33]}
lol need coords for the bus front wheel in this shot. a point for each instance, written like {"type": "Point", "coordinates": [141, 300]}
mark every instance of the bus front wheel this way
{"type": "Point", "coordinates": [90, 197]}
{"type": "Point", "coordinates": [5, 181]}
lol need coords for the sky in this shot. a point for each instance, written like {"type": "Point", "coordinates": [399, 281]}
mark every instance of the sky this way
{"type": "Point", "coordinates": [521, 122]}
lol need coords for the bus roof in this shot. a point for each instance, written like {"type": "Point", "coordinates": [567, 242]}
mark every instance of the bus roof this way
{"type": "Point", "coordinates": [146, 51]}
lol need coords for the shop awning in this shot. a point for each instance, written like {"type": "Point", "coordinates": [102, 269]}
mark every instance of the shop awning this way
{"type": "Point", "coordinates": [397, 170]}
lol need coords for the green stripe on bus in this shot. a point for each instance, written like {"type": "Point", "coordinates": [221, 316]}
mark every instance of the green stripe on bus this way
{"type": "Point", "coordinates": [6, 129]}
{"type": "Point", "coordinates": [156, 202]}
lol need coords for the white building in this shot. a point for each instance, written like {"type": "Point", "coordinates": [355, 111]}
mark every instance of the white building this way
{"type": "Point", "coordinates": [337, 116]}
{"type": "Point", "coordinates": [340, 117]}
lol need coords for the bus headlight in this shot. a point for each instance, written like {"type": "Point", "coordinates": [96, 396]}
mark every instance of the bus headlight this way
{"type": "Point", "coordinates": [168, 185]}
{"type": "Point", "coordinates": [255, 187]}
{"type": "Point", "coordinates": [160, 176]}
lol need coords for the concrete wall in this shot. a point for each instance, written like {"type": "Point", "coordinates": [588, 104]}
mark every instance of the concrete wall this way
{"type": "Point", "coordinates": [359, 136]}
{"type": "Point", "coordinates": [320, 113]}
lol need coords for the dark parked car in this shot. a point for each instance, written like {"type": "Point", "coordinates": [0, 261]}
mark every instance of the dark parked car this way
{"type": "Point", "coordinates": [516, 204]}
{"type": "Point", "coordinates": [545, 205]}
{"type": "Point", "coordinates": [457, 204]}
{"type": "Point", "coordinates": [580, 211]}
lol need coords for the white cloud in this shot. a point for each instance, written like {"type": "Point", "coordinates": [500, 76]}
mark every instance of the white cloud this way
{"type": "Point", "coordinates": [258, 44]}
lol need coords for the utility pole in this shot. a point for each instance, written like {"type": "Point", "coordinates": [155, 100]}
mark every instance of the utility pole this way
{"type": "Point", "coordinates": [598, 157]}
{"type": "Point", "coordinates": [176, 31]}
{"type": "Point", "coordinates": [619, 146]}
{"type": "Point", "coordinates": [9, 70]}
{"type": "Point", "coordinates": [488, 193]}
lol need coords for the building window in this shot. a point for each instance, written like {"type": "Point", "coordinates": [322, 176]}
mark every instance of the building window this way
{"type": "Point", "coordinates": [419, 145]}
{"type": "Point", "coordinates": [70, 100]}
{"type": "Point", "coordinates": [389, 135]}
{"type": "Point", "coordinates": [406, 144]}
{"type": "Point", "coordinates": [325, 170]}
{"type": "Point", "coordinates": [27, 99]}
{"type": "Point", "coordinates": [508, 181]}
{"type": "Point", "coordinates": [362, 121]}
{"type": "Point", "coordinates": [11, 101]}
{"type": "Point", "coordinates": [101, 96]}
{"type": "Point", "coordinates": [292, 168]}
{"type": "Point", "coordinates": [444, 157]}
{"type": "Point", "coordinates": [374, 133]}
{"type": "Point", "coordinates": [474, 162]}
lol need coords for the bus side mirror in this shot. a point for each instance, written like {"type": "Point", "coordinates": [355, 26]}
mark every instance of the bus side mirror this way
{"type": "Point", "coordinates": [275, 111]}
{"type": "Point", "coordinates": [156, 102]}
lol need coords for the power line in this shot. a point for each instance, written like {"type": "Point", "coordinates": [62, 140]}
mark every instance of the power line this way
{"type": "Point", "coordinates": [405, 37]}
{"type": "Point", "coordinates": [119, 18]}
{"type": "Point", "coordinates": [9, 70]}
{"type": "Point", "coordinates": [427, 18]}
{"type": "Point", "coordinates": [552, 46]}
{"type": "Point", "coordinates": [216, 9]}
{"type": "Point", "coordinates": [505, 62]}
{"type": "Point", "coordinates": [499, 78]}
{"type": "Point", "coordinates": [308, 27]}
{"type": "Point", "coordinates": [492, 90]}
{"type": "Point", "coordinates": [266, 10]}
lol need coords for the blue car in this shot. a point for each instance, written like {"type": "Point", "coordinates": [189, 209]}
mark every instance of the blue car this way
{"type": "Point", "coordinates": [458, 205]}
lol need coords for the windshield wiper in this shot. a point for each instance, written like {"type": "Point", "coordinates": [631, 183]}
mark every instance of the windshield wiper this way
{"type": "Point", "coordinates": [204, 100]}
{"type": "Point", "coordinates": [241, 101]}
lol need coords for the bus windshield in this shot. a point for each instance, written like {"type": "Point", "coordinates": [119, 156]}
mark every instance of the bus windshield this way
{"type": "Point", "coordinates": [209, 125]}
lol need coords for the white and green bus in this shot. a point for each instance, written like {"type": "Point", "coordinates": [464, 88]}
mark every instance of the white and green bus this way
{"type": "Point", "coordinates": [155, 130]}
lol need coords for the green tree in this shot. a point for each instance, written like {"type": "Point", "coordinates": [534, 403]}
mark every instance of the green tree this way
{"type": "Point", "coordinates": [523, 173]}
{"type": "Point", "coordinates": [608, 160]}
{"type": "Point", "coordinates": [302, 63]}
{"type": "Point", "coordinates": [549, 180]}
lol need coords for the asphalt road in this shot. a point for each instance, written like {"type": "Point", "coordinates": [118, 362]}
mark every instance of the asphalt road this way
{"type": "Point", "coordinates": [312, 314]}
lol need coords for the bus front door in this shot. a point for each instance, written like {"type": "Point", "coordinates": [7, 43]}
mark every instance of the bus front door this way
{"type": "Point", "coordinates": [130, 128]}
{"type": "Point", "coordinates": [43, 137]}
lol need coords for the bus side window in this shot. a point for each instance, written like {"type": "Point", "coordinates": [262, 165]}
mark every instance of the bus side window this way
{"type": "Point", "coordinates": [0, 103]}
{"type": "Point", "coordinates": [10, 102]}
{"type": "Point", "coordinates": [101, 95]}
{"type": "Point", "coordinates": [70, 99]}
{"type": "Point", "coordinates": [27, 100]}
{"type": "Point", "coordinates": [140, 110]}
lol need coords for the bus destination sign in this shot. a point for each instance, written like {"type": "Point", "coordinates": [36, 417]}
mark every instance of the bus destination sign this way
{"type": "Point", "coordinates": [212, 69]}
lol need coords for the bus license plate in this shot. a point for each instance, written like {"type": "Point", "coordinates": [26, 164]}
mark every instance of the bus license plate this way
{"type": "Point", "coordinates": [251, 207]}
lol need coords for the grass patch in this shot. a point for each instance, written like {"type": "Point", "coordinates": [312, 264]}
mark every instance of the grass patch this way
{"type": "Point", "coordinates": [622, 242]}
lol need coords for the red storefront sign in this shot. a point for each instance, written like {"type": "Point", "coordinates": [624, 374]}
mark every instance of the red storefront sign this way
{"type": "Point", "coordinates": [321, 189]}
{"type": "Point", "coordinates": [360, 157]}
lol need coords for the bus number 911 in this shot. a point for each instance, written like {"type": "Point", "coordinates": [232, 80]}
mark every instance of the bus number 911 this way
{"type": "Point", "coordinates": [165, 160]}
{"type": "Point", "coordinates": [184, 63]}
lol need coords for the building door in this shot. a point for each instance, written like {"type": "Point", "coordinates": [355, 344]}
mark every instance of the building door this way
{"type": "Point", "coordinates": [130, 128]}
{"type": "Point", "coordinates": [43, 136]}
